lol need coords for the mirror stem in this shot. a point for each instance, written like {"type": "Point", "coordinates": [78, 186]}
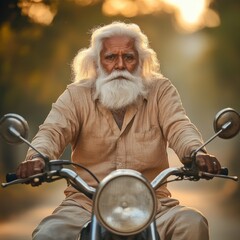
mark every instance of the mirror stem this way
{"type": "Point", "coordinates": [14, 132]}
{"type": "Point", "coordinates": [224, 127]}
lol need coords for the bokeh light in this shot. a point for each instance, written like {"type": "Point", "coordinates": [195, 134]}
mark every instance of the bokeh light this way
{"type": "Point", "coordinates": [188, 15]}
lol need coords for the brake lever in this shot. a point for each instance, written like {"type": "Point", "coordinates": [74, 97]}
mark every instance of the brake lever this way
{"type": "Point", "coordinates": [196, 175]}
{"type": "Point", "coordinates": [35, 179]}
{"type": "Point", "coordinates": [211, 175]}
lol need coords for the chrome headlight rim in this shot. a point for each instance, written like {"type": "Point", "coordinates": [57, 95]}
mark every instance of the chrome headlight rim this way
{"type": "Point", "coordinates": [120, 173]}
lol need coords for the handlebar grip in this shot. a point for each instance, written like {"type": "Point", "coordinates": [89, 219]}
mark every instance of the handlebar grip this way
{"type": "Point", "coordinates": [224, 171]}
{"type": "Point", "coordinates": [11, 177]}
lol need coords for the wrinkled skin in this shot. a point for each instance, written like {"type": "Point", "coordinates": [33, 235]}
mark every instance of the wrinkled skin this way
{"type": "Point", "coordinates": [208, 163]}
{"type": "Point", "coordinates": [30, 167]}
{"type": "Point", "coordinates": [119, 53]}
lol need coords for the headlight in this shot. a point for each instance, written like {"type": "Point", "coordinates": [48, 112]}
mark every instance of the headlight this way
{"type": "Point", "coordinates": [125, 202]}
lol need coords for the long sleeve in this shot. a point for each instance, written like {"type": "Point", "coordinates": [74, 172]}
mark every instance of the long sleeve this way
{"type": "Point", "coordinates": [183, 137]}
{"type": "Point", "coordinates": [58, 129]}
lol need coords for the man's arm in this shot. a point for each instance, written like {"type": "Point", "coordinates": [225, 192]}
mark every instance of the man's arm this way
{"type": "Point", "coordinates": [57, 131]}
{"type": "Point", "coordinates": [182, 135]}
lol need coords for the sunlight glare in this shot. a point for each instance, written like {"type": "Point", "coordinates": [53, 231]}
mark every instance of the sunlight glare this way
{"type": "Point", "coordinates": [190, 11]}
{"type": "Point", "coordinates": [193, 15]}
{"type": "Point", "coordinates": [189, 15]}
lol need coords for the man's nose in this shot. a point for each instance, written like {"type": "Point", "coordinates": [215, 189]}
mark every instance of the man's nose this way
{"type": "Point", "coordinates": [120, 65]}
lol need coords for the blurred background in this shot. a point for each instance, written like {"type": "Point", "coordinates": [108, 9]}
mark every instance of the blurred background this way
{"type": "Point", "coordinates": [197, 43]}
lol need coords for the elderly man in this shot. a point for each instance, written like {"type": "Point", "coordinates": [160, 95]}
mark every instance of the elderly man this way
{"type": "Point", "coordinates": [120, 112]}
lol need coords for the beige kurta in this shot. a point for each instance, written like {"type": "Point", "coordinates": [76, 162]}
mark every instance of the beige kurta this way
{"type": "Point", "coordinates": [150, 125]}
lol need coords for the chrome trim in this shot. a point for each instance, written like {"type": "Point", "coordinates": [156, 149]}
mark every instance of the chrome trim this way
{"type": "Point", "coordinates": [116, 174]}
{"type": "Point", "coordinates": [161, 177]}
{"type": "Point", "coordinates": [78, 181]}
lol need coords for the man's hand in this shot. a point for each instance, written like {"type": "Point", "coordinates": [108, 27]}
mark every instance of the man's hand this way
{"type": "Point", "coordinates": [30, 167]}
{"type": "Point", "coordinates": [208, 163]}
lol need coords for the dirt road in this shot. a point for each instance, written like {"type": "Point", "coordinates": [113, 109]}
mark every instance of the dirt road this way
{"type": "Point", "coordinates": [222, 226]}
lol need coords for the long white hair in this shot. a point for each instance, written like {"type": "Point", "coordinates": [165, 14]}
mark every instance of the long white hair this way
{"type": "Point", "coordinates": [86, 62]}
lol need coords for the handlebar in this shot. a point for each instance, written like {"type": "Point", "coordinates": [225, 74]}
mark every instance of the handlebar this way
{"type": "Point", "coordinates": [183, 173]}
{"type": "Point", "coordinates": [57, 172]}
{"type": "Point", "coordinates": [10, 177]}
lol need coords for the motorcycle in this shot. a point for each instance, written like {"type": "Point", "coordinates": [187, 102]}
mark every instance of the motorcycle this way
{"type": "Point", "coordinates": [120, 209]}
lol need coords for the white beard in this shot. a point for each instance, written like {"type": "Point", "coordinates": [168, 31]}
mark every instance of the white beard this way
{"type": "Point", "coordinates": [118, 89]}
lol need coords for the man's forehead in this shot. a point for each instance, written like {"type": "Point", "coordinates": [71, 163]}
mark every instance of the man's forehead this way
{"type": "Point", "coordinates": [118, 42]}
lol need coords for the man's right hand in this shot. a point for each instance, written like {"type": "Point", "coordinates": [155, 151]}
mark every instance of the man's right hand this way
{"type": "Point", "coordinates": [30, 167]}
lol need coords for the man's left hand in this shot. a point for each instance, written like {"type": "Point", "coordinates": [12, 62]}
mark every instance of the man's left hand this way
{"type": "Point", "coordinates": [208, 163]}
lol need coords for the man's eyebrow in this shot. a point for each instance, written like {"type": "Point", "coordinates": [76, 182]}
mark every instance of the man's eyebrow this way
{"type": "Point", "coordinates": [110, 53]}
{"type": "Point", "coordinates": [130, 53]}
{"type": "Point", "coordinates": [124, 53]}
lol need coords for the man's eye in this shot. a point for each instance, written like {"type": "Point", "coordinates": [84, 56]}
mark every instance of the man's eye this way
{"type": "Point", "coordinates": [110, 57]}
{"type": "Point", "coordinates": [129, 57]}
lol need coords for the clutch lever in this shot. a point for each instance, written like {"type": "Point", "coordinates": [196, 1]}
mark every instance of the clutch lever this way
{"type": "Point", "coordinates": [12, 179]}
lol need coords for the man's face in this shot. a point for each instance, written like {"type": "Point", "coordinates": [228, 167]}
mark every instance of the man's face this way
{"type": "Point", "coordinates": [119, 53]}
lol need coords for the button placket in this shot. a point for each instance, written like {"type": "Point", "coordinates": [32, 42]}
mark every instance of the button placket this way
{"type": "Point", "coordinates": [120, 154]}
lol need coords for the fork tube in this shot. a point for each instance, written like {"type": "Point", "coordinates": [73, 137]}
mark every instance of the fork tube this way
{"type": "Point", "coordinates": [95, 229]}
{"type": "Point", "coordinates": [152, 232]}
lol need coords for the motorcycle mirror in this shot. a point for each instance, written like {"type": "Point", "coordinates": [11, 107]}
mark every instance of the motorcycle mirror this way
{"type": "Point", "coordinates": [227, 123]}
{"type": "Point", "coordinates": [13, 128]}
